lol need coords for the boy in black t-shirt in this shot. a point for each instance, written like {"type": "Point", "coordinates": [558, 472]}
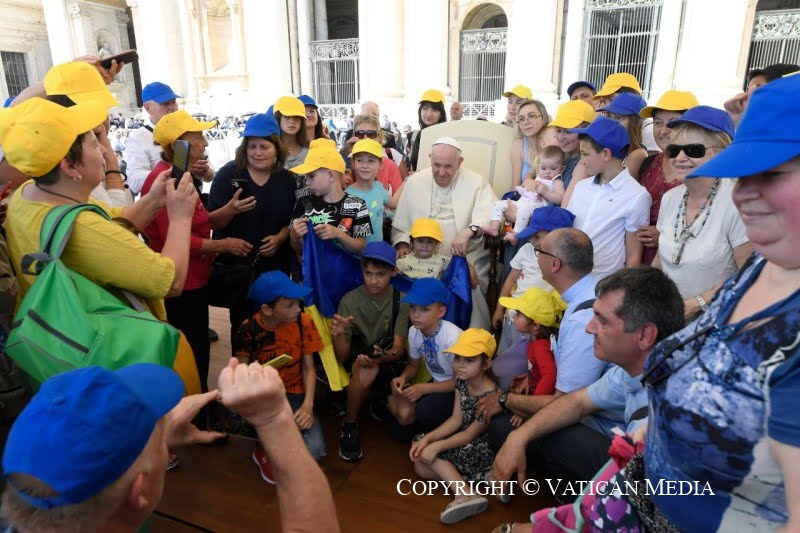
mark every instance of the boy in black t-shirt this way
{"type": "Point", "coordinates": [333, 213]}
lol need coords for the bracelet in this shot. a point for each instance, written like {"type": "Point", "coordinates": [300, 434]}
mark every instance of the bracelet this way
{"type": "Point", "coordinates": [702, 303]}
{"type": "Point", "coordinates": [124, 176]}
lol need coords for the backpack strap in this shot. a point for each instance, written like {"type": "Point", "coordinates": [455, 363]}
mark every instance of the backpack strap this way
{"type": "Point", "coordinates": [395, 307]}
{"type": "Point", "coordinates": [585, 305]}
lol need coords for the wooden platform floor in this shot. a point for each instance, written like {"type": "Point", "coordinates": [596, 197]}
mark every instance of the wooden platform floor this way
{"type": "Point", "coordinates": [219, 489]}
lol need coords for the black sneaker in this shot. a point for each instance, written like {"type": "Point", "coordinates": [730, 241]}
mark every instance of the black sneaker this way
{"type": "Point", "coordinates": [349, 444]}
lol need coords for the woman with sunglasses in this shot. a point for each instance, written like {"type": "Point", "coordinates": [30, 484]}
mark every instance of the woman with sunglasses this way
{"type": "Point", "coordinates": [701, 240]}
{"type": "Point", "coordinates": [431, 112]}
{"type": "Point", "coordinates": [393, 169]}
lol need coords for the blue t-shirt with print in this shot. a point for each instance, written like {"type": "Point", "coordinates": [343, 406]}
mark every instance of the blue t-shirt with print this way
{"type": "Point", "coordinates": [375, 199]}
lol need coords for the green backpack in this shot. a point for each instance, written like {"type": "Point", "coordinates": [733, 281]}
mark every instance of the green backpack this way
{"type": "Point", "coordinates": [67, 321]}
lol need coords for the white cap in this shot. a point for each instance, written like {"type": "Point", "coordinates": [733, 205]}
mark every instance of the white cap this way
{"type": "Point", "coordinates": [449, 141]}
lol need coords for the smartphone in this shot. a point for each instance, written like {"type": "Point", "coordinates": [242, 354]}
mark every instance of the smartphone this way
{"type": "Point", "coordinates": [180, 159]}
{"type": "Point", "coordinates": [239, 183]}
{"type": "Point", "coordinates": [5, 191]}
{"type": "Point", "coordinates": [128, 56]}
{"type": "Point", "coordinates": [279, 362]}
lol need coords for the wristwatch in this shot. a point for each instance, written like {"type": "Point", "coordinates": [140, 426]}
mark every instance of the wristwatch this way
{"type": "Point", "coordinates": [702, 303]}
{"type": "Point", "coordinates": [502, 399]}
{"type": "Point", "coordinates": [474, 229]}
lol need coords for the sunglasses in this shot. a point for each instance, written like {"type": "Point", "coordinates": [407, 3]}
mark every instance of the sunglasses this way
{"type": "Point", "coordinates": [695, 151]}
{"type": "Point", "coordinates": [360, 134]}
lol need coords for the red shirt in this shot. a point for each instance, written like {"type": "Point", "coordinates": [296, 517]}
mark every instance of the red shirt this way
{"type": "Point", "coordinates": [653, 180]}
{"type": "Point", "coordinates": [199, 263]}
{"type": "Point", "coordinates": [541, 368]}
{"type": "Point", "coordinates": [389, 176]}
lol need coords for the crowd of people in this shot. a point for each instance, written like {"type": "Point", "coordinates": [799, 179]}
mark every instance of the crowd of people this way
{"type": "Point", "coordinates": [645, 331]}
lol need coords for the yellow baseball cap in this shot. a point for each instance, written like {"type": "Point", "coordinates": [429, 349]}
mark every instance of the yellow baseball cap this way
{"type": "Point", "coordinates": [546, 308]}
{"type": "Point", "coordinates": [290, 106]}
{"type": "Point", "coordinates": [572, 114]}
{"type": "Point", "coordinates": [426, 227]}
{"type": "Point", "coordinates": [614, 82]}
{"type": "Point", "coordinates": [37, 134]}
{"type": "Point", "coordinates": [474, 342]}
{"type": "Point", "coordinates": [173, 125]}
{"type": "Point", "coordinates": [519, 90]}
{"type": "Point", "coordinates": [671, 101]}
{"type": "Point", "coordinates": [432, 95]}
{"type": "Point", "coordinates": [80, 82]}
{"type": "Point", "coordinates": [322, 153]}
{"type": "Point", "coordinates": [368, 146]}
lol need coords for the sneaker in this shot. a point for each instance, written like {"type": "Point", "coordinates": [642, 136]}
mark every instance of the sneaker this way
{"type": "Point", "coordinates": [260, 458]}
{"type": "Point", "coordinates": [349, 445]}
{"type": "Point", "coordinates": [378, 409]}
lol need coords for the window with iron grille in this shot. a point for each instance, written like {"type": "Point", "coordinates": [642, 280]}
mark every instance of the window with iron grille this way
{"type": "Point", "coordinates": [776, 38]}
{"type": "Point", "coordinates": [620, 36]}
{"type": "Point", "coordinates": [336, 76]}
{"type": "Point", "coordinates": [16, 74]}
{"type": "Point", "coordinates": [482, 70]}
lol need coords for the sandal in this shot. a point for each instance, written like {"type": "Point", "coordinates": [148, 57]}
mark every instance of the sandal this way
{"type": "Point", "coordinates": [456, 512]}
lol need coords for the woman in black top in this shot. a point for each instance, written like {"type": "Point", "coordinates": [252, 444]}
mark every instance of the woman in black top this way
{"type": "Point", "coordinates": [431, 112]}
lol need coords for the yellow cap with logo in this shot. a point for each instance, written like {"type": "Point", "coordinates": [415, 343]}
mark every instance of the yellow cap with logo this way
{"type": "Point", "coordinates": [519, 90]}
{"type": "Point", "coordinates": [173, 125]}
{"type": "Point", "coordinates": [432, 95]}
{"type": "Point", "coordinates": [572, 114]}
{"type": "Point", "coordinates": [322, 153]}
{"type": "Point", "coordinates": [368, 146]}
{"type": "Point", "coordinates": [543, 307]}
{"type": "Point", "coordinates": [474, 342]}
{"type": "Point", "coordinates": [37, 134]}
{"type": "Point", "coordinates": [671, 101]}
{"type": "Point", "coordinates": [79, 81]}
{"type": "Point", "coordinates": [615, 82]}
{"type": "Point", "coordinates": [426, 227]}
{"type": "Point", "coordinates": [290, 106]}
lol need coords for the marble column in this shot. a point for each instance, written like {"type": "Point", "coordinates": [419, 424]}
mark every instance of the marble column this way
{"type": "Point", "coordinates": [159, 42]}
{"type": "Point", "coordinates": [266, 38]}
{"type": "Point", "coordinates": [305, 34]}
{"type": "Point", "coordinates": [237, 57]}
{"type": "Point", "coordinates": [320, 20]}
{"type": "Point", "coordinates": [381, 78]}
{"type": "Point", "coordinates": [59, 31]}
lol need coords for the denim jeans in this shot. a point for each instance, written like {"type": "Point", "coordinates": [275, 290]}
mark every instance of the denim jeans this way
{"type": "Point", "coordinates": [313, 437]}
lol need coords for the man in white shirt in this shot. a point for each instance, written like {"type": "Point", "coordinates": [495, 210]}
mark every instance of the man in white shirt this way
{"type": "Point", "coordinates": [611, 205]}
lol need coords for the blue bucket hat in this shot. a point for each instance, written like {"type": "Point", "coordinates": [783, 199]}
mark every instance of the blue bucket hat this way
{"type": "Point", "coordinates": [307, 100]}
{"type": "Point", "coordinates": [261, 125]}
{"type": "Point", "coordinates": [577, 85]}
{"type": "Point", "coordinates": [707, 117]}
{"type": "Point", "coordinates": [625, 104]}
{"type": "Point", "coordinates": [270, 286]}
{"type": "Point", "coordinates": [380, 251]}
{"type": "Point", "coordinates": [159, 92]}
{"type": "Point", "coordinates": [607, 133]}
{"type": "Point", "coordinates": [86, 427]}
{"type": "Point", "coordinates": [768, 134]}
{"type": "Point", "coordinates": [426, 291]}
{"type": "Point", "coordinates": [548, 218]}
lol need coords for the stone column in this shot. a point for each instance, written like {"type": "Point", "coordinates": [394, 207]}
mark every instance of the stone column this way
{"type": "Point", "coordinates": [266, 37]}
{"type": "Point", "coordinates": [59, 31]}
{"type": "Point", "coordinates": [572, 52]}
{"type": "Point", "coordinates": [187, 16]}
{"type": "Point", "coordinates": [237, 57]}
{"type": "Point", "coordinates": [380, 30]}
{"type": "Point", "coordinates": [305, 32]}
{"type": "Point", "coordinates": [321, 20]}
{"type": "Point", "coordinates": [161, 54]}
{"type": "Point", "coordinates": [425, 50]}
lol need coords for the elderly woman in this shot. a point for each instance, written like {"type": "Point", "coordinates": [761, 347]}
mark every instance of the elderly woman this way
{"type": "Point", "coordinates": [188, 311]}
{"type": "Point", "coordinates": [431, 112]}
{"type": "Point", "coordinates": [65, 168]}
{"type": "Point", "coordinates": [702, 240]}
{"type": "Point", "coordinates": [252, 198]}
{"type": "Point", "coordinates": [656, 173]}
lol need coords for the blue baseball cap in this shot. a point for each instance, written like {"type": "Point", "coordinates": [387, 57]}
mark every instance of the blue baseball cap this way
{"type": "Point", "coordinates": [86, 427]}
{"type": "Point", "coordinates": [548, 217]}
{"type": "Point", "coordinates": [767, 136]}
{"type": "Point", "coordinates": [307, 100]}
{"type": "Point", "coordinates": [607, 133]}
{"type": "Point", "coordinates": [270, 286]}
{"type": "Point", "coordinates": [381, 251]}
{"type": "Point", "coordinates": [625, 104]}
{"type": "Point", "coordinates": [426, 291]}
{"type": "Point", "coordinates": [578, 84]}
{"type": "Point", "coordinates": [159, 92]}
{"type": "Point", "coordinates": [707, 117]}
{"type": "Point", "coordinates": [8, 101]}
{"type": "Point", "coordinates": [261, 125]}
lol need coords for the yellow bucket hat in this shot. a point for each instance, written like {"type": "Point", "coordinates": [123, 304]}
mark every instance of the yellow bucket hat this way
{"type": "Point", "coordinates": [474, 342]}
{"type": "Point", "coordinates": [426, 227]}
{"type": "Point", "coordinates": [545, 308]}
{"type": "Point", "coordinates": [614, 82]}
{"type": "Point", "coordinates": [572, 114]}
{"type": "Point", "coordinates": [368, 146]}
{"type": "Point", "coordinates": [671, 101]}
{"type": "Point", "coordinates": [322, 153]}
{"type": "Point", "coordinates": [80, 82]}
{"type": "Point", "coordinates": [432, 95]}
{"type": "Point", "coordinates": [173, 125]}
{"type": "Point", "coordinates": [290, 106]}
{"type": "Point", "coordinates": [519, 90]}
{"type": "Point", "coordinates": [37, 134]}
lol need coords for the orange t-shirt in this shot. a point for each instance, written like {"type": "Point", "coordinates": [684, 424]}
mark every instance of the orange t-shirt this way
{"type": "Point", "coordinates": [260, 343]}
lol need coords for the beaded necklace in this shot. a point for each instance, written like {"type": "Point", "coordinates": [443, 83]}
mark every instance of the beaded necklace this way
{"type": "Point", "coordinates": [681, 237]}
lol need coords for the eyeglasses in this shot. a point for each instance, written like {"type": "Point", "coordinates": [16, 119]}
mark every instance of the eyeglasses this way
{"type": "Point", "coordinates": [360, 134]}
{"type": "Point", "coordinates": [537, 251]}
{"type": "Point", "coordinates": [528, 118]}
{"type": "Point", "coordinates": [695, 151]}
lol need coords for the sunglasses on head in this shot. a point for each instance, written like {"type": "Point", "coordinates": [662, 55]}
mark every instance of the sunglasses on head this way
{"type": "Point", "coordinates": [365, 133]}
{"type": "Point", "coordinates": [695, 151]}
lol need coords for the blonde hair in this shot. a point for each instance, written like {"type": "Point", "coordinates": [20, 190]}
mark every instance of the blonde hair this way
{"type": "Point", "coordinates": [370, 120]}
{"type": "Point", "coordinates": [537, 141]}
{"type": "Point", "coordinates": [712, 138]}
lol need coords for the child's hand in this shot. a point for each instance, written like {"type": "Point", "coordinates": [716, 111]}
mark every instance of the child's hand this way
{"type": "Point", "coordinates": [416, 448]}
{"type": "Point", "coordinates": [497, 317]}
{"type": "Point", "coordinates": [517, 421]}
{"type": "Point", "coordinates": [304, 416]}
{"type": "Point", "coordinates": [519, 384]}
{"type": "Point", "coordinates": [397, 385]}
{"type": "Point", "coordinates": [402, 250]}
{"type": "Point", "coordinates": [366, 361]}
{"type": "Point", "coordinates": [429, 453]}
{"type": "Point", "coordinates": [510, 238]}
{"type": "Point", "coordinates": [339, 324]}
{"type": "Point", "coordinates": [300, 226]}
{"type": "Point", "coordinates": [326, 232]}
{"type": "Point", "coordinates": [413, 392]}
{"type": "Point", "coordinates": [540, 188]}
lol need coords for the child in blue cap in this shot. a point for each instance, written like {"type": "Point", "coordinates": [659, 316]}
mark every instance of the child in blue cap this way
{"type": "Point", "coordinates": [624, 109]}
{"type": "Point", "coordinates": [429, 403]}
{"type": "Point", "coordinates": [278, 328]}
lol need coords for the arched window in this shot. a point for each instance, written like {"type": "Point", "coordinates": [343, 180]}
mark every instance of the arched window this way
{"type": "Point", "coordinates": [483, 60]}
